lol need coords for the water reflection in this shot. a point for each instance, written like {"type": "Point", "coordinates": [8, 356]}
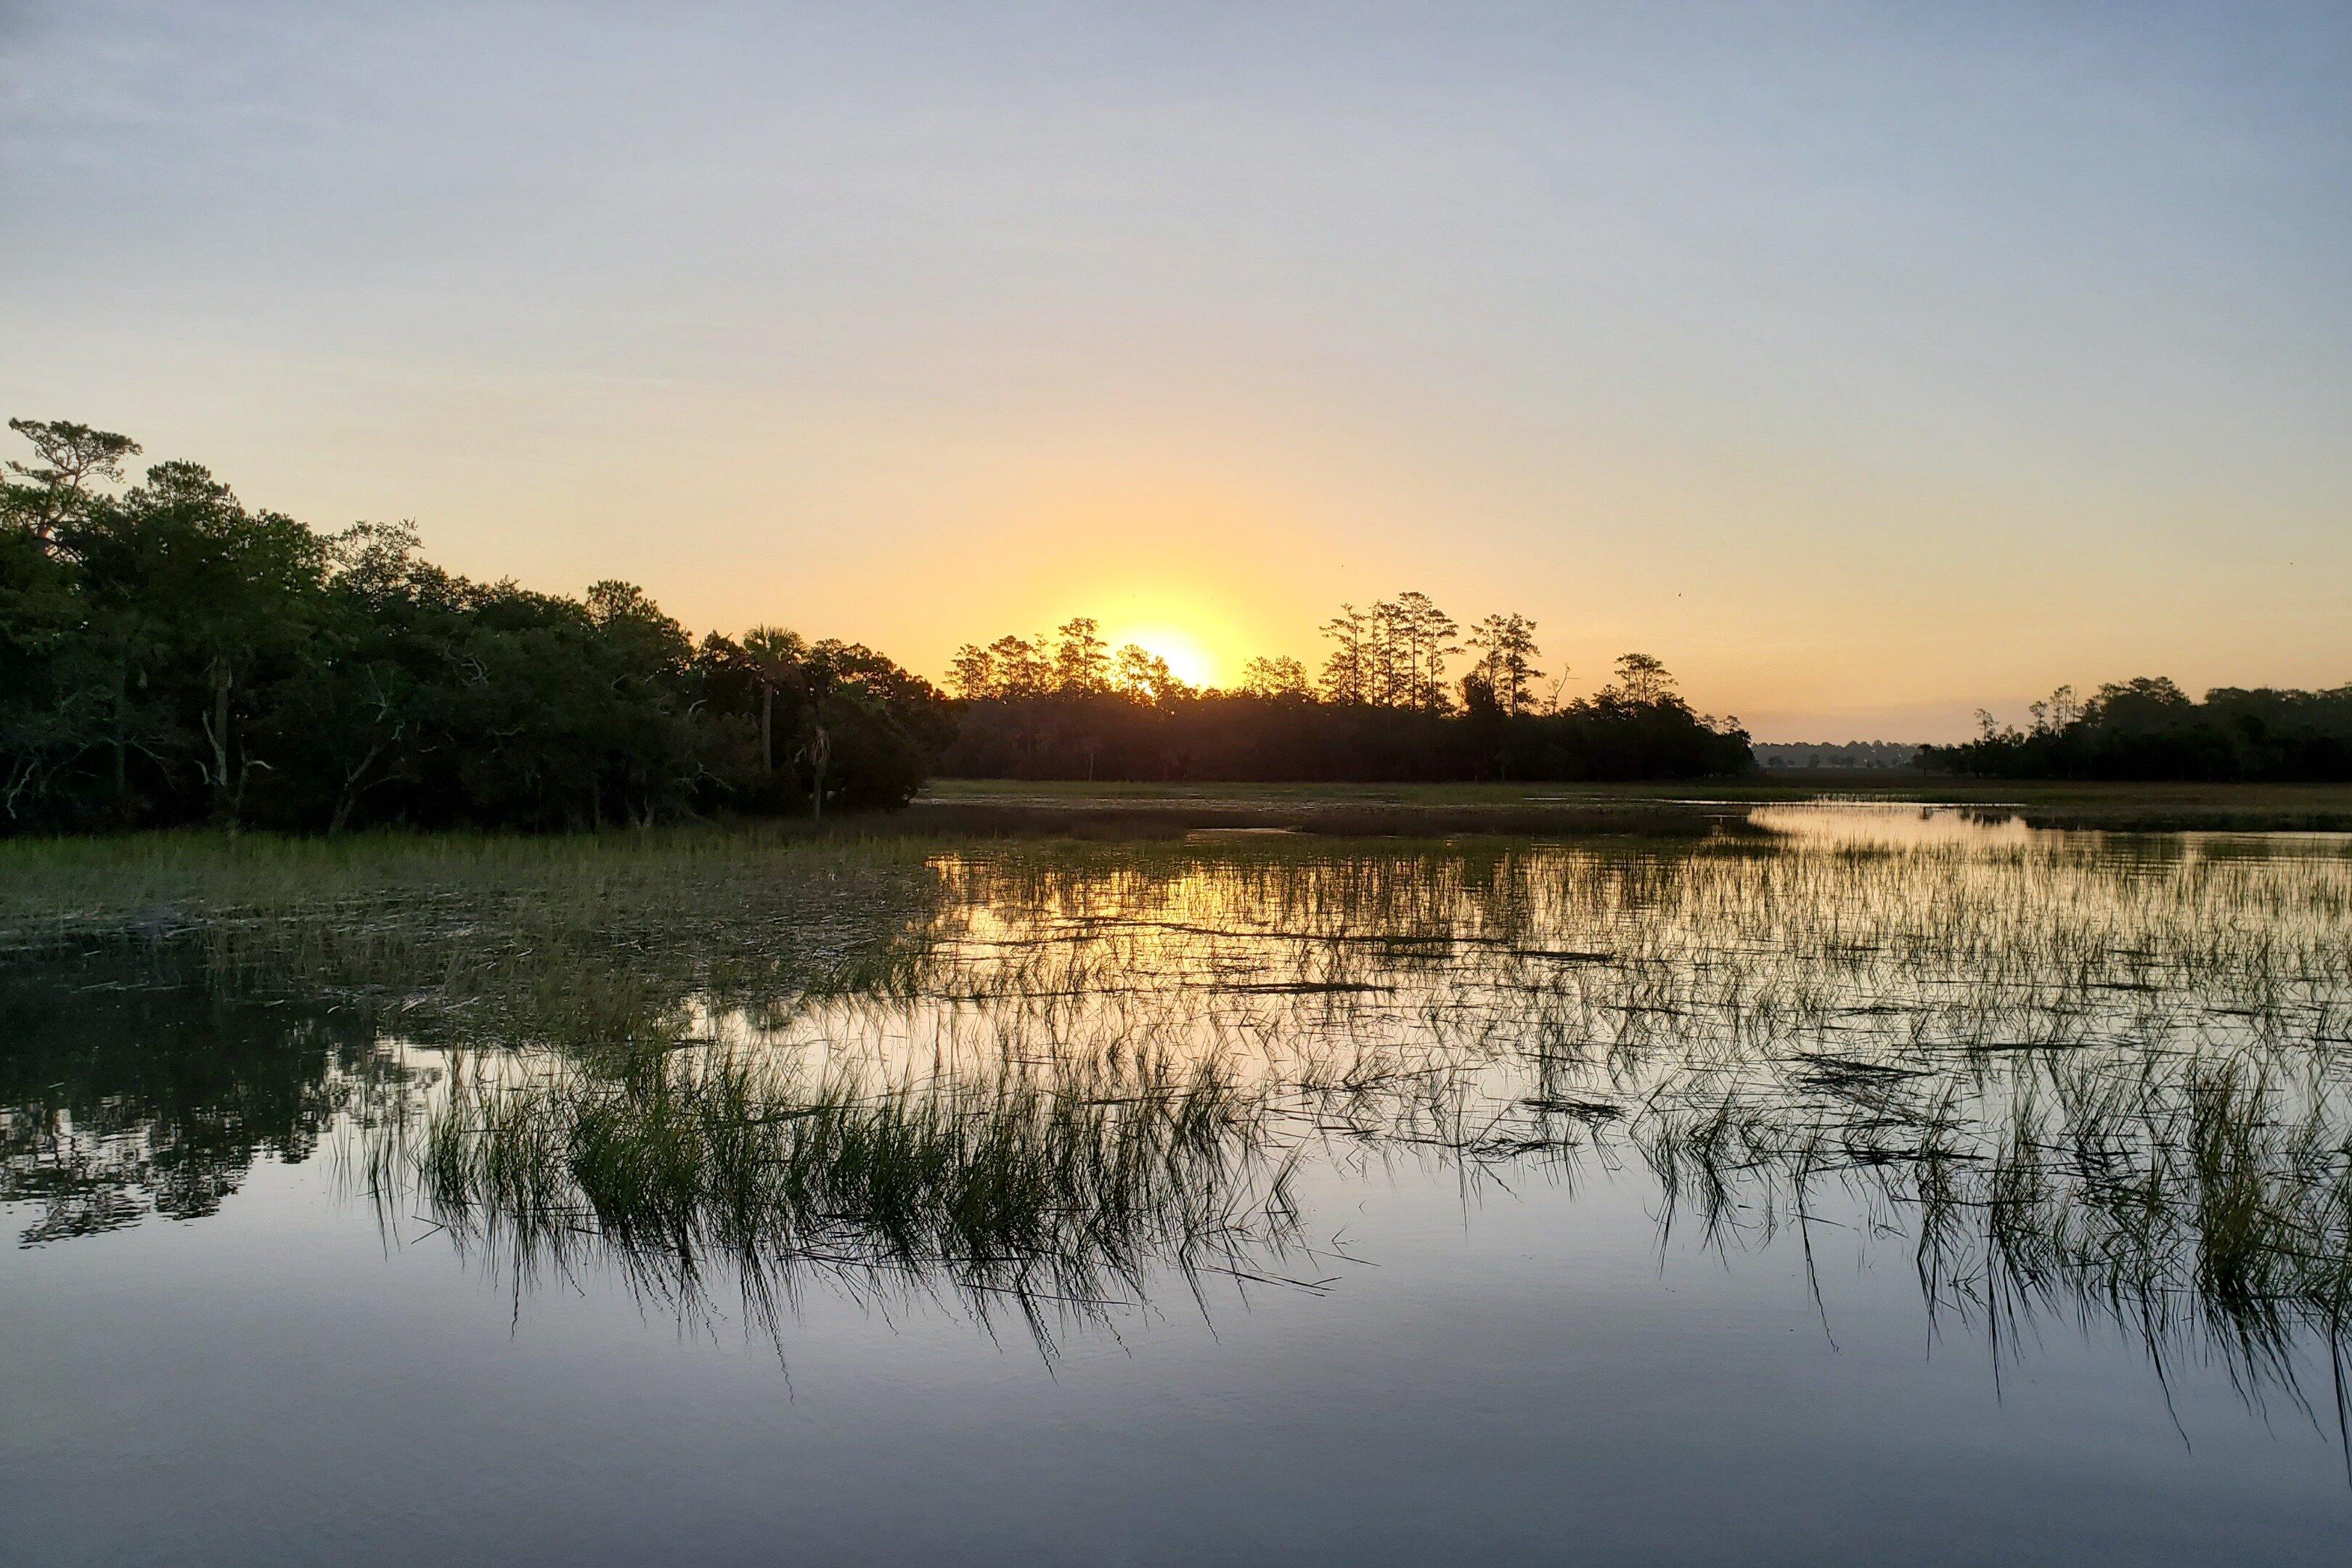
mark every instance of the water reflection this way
{"type": "Point", "coordinates": [2068, 1077]}
{"type": "Point", "coordinates": [1892, 825]}
{"type": "Point", "coordinates": [121, 1099]}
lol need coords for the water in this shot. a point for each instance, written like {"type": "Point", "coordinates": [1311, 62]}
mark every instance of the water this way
{"type": "Point", "coordinates": [1872, 1186]}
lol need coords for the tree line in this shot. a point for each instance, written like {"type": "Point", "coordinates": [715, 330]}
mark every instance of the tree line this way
{"type": "Point", "coordinates": [171, 656]}
{"type": "Point", "coordinates": [1386, 705]}
{"type": "Point", "coordinates": [1877, 757]}
{"type": "Point", "coordinates": [2151, 729]}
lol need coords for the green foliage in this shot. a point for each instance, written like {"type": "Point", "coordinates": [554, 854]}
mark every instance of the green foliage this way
{"type": "Point", "coordinates": [2151, 729]}
{"type": "Point", "coordinates": [170, 656]}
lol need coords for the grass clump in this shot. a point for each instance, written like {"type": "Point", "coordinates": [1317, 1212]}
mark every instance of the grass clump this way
{"type": "Point", "coordinates": [1058, 1194]}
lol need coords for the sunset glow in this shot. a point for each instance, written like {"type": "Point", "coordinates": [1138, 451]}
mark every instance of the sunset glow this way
{"type": "Point", "coordinates": [1582, 314]}
{"type": "Point", "coordinates": [1285, 781]}
{"type": "Point", "coordinates": [1187, 657]}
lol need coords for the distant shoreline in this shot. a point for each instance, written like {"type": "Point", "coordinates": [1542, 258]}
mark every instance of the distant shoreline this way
{"type": "Point", "coordinates": [1677, 808]}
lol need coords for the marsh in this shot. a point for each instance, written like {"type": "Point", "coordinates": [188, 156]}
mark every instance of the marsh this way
{"type": "Point", "coordinates": [1823, 1183]}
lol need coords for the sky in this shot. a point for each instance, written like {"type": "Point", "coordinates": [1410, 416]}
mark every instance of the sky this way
{"type": "Point", "coordinates": [1869, 364]}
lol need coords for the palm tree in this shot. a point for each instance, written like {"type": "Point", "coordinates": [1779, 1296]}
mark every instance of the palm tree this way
{"type": "Point", "coordinates": [777, 661]}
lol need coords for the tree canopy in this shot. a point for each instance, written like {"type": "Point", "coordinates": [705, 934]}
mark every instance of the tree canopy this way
{"type": "Point", "coordinates": [1387, 707]}
{"type": "Point", "coordinates": [169, 654]}
{"type": "Point", "coordinates": [2151, 729]}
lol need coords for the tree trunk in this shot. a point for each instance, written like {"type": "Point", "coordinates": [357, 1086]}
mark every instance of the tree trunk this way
{"type": "Point", "coordinates": [820, 754]}
{"type": "Point", "coordinates": [349, 797]}
{"type": "Point", "coordinates": [121, 762]}
{"type": "Point", "coordinates": [216, 723]}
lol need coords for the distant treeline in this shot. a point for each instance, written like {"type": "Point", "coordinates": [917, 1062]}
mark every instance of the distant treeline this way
{"type": "Point", "coordinates": [1880, 754]}
{"type": "Point", "coordinates": [168, 656]}
{"type": "Point", "coordinates": [1383, 707]}
{"type": "Point", "coordinates": [2151, 729]}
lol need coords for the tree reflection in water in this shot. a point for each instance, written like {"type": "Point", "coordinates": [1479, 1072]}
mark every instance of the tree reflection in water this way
{"type": "Point", "coordinates": [2103, 1080]}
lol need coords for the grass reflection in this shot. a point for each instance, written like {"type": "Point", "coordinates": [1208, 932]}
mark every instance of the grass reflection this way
{"type": "Point", "coordinates": [1060, 1198]}
{"type": "Point", "coordinates": [2103, 1080]}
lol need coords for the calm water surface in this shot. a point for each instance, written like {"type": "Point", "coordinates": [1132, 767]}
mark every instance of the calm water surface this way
{"type": "Point", "coordinates": [1868, 1185]}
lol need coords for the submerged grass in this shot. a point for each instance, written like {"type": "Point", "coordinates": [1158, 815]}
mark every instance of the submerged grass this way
{"type": "Point", "coordinates": [2105, 1077]}
{"type": "Point", "coordinates": [592, 943]}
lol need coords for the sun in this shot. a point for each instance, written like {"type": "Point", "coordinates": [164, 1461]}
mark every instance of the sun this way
{"type": "Point", "coordinates": [1188, 660]}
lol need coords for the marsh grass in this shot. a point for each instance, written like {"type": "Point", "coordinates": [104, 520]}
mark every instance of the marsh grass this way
{"type": "Point", "coordinates": [1060, 1198]}
{"type": "Point", "coordinates": [2076, 1077]}
{"type": "Point", "coordinates": [591, 944]}
{"type": "Point", "coordinates": [2145, 807]}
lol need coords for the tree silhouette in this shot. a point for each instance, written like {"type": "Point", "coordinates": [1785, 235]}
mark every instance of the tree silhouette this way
{"type": "Point", "coordinates": [1640, 679]}
{"type": "Point", "coordinates": [1278, 677]}
{"type": "Point", "coordinates": [39, 498]}
{"type": "Point", "coordinates": [1506, 660]}
{"type": "Point", "coordinates": [2149, 728]}
{"type": "Point", "coordinates": [1081, 660]}
{"type": "Point", "coordinates": [1347, 672]}
{"type": "Point", "coordinates": [1376, 716]}
{"type": "Point", "coordinates": [169, 656]}
{"type": "Point", "coordinates": [1145, 677]}
{"type": "Point", "coordinates": [778, 661]}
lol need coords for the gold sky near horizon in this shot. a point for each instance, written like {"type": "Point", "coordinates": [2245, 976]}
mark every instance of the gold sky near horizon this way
{"type": "Point", "coordinates": [1866, 369]}
{"type": "Point", "coordinates": [1188, 656]}
{"type": "Point", "coordinates": [1856, 620]}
